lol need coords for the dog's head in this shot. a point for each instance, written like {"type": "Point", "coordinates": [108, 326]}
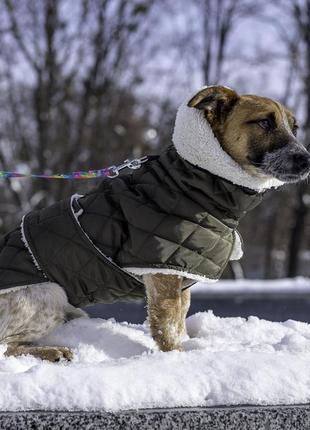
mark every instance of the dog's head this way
{"type": "Point", "coordinates": [260, 134]}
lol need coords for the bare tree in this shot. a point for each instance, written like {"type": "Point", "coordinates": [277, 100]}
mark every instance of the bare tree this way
{"type": "Point", "coordinates": [297, 43]}
{"type": "Point", "coordinates": [220, 19]}
{"type": "Point", "coordinates": [68, 78]}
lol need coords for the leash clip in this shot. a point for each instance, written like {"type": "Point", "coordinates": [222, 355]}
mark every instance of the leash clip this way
{"type": "Point", "coordinates": [134, 164]}
{"type": "Point", "coordinates": [131, 164]}
{"type": "Point", "coordinates": [113, 172]}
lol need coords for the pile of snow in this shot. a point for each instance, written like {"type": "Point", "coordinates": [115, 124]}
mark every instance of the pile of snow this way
{"type": "Point", "coordinates": [248, 286]}
{"type": "Point", "coordinates": [226, 361]}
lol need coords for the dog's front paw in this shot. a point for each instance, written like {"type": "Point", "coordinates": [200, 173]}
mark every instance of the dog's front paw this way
{"type": "Point", "coordinates": [55, 353]}
{"type": "Point", "coordinates": [50, 353]}
{"type": "Point", "coordinates": [167, 346]}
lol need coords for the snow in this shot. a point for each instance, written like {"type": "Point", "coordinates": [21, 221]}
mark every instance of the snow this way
{"type": "Point", "coordinates": [116, 366]}
{"type": "Point", "coordinates": [249, 286]}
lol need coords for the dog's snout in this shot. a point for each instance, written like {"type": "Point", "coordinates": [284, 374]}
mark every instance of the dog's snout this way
{"type": "Point", "coordinates": [289, 163]}
{"type": "Point", "coordinates": [301, 162]}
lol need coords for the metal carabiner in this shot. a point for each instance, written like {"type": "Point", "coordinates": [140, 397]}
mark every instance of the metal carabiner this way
{"type": "Point", "coordinates": [136, 162]}
{"type": "Point", "coordinates": [113, 172]}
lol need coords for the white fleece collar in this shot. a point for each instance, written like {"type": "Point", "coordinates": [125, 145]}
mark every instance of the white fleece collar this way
{"type": "Point", "coordinates": [194, 141]}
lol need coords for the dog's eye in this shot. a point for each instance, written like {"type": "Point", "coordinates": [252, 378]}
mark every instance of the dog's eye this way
{"type": "Point", "coordinates": [264, 123]}
{"type": "Point", "coordinates": [295, 129]}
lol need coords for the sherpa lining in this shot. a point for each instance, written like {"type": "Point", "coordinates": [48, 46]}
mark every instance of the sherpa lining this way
{"type": "Point", "coordinates": [151, 270]}
{"type": "Point", "coordinates": [194, 141]}
{"type": "Point", "coordinates": [237, 251]}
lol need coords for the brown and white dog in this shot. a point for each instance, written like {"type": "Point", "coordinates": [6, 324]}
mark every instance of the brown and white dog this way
{"type": "Point", "coordinates": [256, 134]}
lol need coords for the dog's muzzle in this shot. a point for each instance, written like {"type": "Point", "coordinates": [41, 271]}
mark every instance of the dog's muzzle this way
{"type": "Point", "coordinates": [291, 163]}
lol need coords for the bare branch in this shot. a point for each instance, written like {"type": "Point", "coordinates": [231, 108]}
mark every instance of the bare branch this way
{"type": "Point", "coordinates": [18, 36]}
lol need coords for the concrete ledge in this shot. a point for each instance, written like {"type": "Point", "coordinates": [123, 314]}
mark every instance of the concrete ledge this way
{"type": "Point", "coordinates": [223, 418]}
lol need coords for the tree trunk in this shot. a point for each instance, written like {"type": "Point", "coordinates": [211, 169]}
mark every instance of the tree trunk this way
{"type": "Point", "coordinates": [297, 232]}
{"type": "Point", "coordinates": [270, 242]}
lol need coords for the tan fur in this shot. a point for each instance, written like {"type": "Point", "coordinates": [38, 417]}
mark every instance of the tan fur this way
{"type": "Point", "coordinates": [230, 116]}
{"type": "Point", "coordinates": [236, 130]}
{"type": "Point", "coordinates": [167, 309]}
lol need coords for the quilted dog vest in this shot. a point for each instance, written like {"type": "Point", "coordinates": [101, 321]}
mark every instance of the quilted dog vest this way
{"type": "Point", "coordinates": [167, 217]}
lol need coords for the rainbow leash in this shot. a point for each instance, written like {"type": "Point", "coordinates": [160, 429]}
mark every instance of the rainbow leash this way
{"type": "Point", "coordinates": [108, 172]}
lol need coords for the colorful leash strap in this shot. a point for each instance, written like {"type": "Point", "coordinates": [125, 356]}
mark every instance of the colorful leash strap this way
{"type": "Point", "coordinates": [109, 172]}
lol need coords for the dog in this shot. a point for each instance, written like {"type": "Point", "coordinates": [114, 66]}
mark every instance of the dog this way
{"type": "Point", "coordinates": [154, 231]}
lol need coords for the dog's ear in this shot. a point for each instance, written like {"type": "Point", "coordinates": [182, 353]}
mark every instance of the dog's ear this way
{"type": "Point", "coordinates": [216, 101]}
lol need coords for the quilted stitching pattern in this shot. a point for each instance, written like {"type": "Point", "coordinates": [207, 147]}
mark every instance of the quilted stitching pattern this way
{"type": "Point", "coordinates": [164, 215]}
{"type": "Point", "coordinates": [167, 214]}
{"type": "Point", "coordinates": [73, 262]}
{"type": "Point", "coordinates": [16, 265]}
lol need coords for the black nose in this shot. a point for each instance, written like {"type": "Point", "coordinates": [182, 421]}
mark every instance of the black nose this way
{"type": "Point", "coordinates": [301, 162]}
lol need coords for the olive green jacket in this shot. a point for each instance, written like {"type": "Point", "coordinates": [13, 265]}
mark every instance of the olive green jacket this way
{"type": "Point", "coordinates": [167, 217]}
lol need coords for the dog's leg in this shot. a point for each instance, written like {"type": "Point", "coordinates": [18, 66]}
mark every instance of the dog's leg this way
{"type": "Point", "coordinates": [164, 297]}
{"type": "Point", "coordinates": [185, 304]}
{"type": "Point", "coordinates": [50, 353]}
{"type": "Point", "coordinates": [28, 314]}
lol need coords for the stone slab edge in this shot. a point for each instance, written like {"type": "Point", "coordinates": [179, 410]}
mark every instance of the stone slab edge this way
{"type": "Point", "coordinates": [218, 418]}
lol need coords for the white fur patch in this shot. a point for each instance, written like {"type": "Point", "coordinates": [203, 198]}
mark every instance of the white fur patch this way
{"type": "Point", "coordinates": [194, 140]}
{"type": "Point", "coordinates": [31, 311]}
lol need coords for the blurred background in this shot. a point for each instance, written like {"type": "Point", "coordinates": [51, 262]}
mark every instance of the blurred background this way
{"type": "Point", "coordinates": [88, 83]}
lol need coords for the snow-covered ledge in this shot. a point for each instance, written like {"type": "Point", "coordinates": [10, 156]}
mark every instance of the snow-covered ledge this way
{"type": "Point", "coordinates": [298, 285]}
{"type": "Point", "coordinates": [116, 367]}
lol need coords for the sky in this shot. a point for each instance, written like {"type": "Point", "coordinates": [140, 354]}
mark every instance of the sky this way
{"type": "Point", "coordinates": [171, 72]}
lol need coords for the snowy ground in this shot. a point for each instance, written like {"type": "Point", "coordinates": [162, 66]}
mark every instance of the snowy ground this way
{"type": "Point", "coordinates": [248, 286]}
{"type": "Point", "coordinates": [116, 366]}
